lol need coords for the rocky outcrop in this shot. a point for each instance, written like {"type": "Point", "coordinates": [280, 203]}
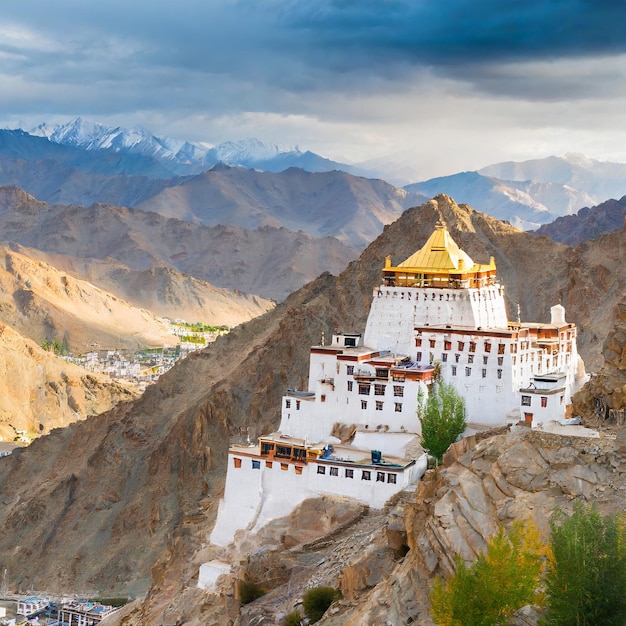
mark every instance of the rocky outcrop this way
{"type": "Point", "coordinates": [602, 401]}
{"type": "Point", "coordinates": [521, 475]}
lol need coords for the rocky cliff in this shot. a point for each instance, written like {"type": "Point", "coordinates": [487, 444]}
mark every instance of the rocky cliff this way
{"type": "Point", "coordinates": [97, 505]}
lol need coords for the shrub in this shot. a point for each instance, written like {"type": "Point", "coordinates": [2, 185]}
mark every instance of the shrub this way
{"type": "Point", "coordinates": [586, 580]}
{"type": "Point", "coordinates": [249, 591]}
{"type": "Point", "coordinates": [442, 417]}
{"type": "Point", "coordinates": [292, 619]}
{"type": "Point", "coordinates": [317, 600]}
{"type": "Point", "coordinates": [501, 581]}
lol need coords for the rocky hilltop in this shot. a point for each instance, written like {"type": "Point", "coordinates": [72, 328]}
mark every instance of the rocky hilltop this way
{"type": "Point", "coordinates": [97, 505]}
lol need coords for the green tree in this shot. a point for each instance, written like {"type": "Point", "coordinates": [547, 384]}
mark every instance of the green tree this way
{"type": "Point", "coordinates": [586, 580]}
{"type": "Point", "coordinates": [501, 581]}
{"type": "Point", "coordinates": [442, 417]}
{"type": "Point", "coordinates": [317, 600]}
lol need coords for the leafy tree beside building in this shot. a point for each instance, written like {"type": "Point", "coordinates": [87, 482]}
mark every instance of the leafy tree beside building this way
{"type": "Point", "coordinates": [442, 416]}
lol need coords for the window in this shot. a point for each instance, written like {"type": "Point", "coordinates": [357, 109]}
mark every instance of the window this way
{"type": "Point", "coordinates": [382, 372]}
{"type": "Point", "coordinates": [236, 462]}
{"type": "Point", "coordinates": [350, 370]}
{"type": "Point", "coordinates": [366, 475]}
{"type": "Point", "coordinates": [321, 469]}
{"type": "Point", "coordinates": [268, 464]}
{"type": "Point", "coordinates": [484, 373]}
{"type": "Point", "coordinates": [349, 342]}
{"type": "Point", "coordinates": [363, 404]}
{"type": "Point", "coordinates": [349, 385]}
{"type": "Point", "coordinates": [432, 343]}
{"type": "Point", "coordinates": [299, 454]}
{"type": "Point", "coordinates": [298, 469]}
{"type": "Point", "coordinates": [379, 390]}
{"type": "Point", "coordinates": [418, 358]}
{"type": "Point", "coordinates": [461, 346]}
{"type": "Point", "coordinates": [468, 371]}
{"type": "Point", "coordinates": [284, 467]}
{"type": "Point", "coordinates": [470, 358]}
{"type": "Point", "coordinates": [334, 471]}
{"type": "Point", "coordinates": [256, 464]}
{"type": "Point", "coordinates": [500, 360]}
{"type": "Point", "coordinates": [472, 346]}
{"type": "Point", "coordinates": [444, 357]}
{"type": "Point", "coordinates": [487, 346]}
{"type": "Point", "coordinates": [500, 348]}
{"type": "Point", "coordinates": [514, 358]}
{"type": "Point", "coordinates": [398, 407]}
{"type": "Point", "coordinates": [391, 478]}
{"type": "Point", "coordinates": [526, 400]}
{"type": "Point", "coordinates": [266, 448]}
{"type": "Point", "coordinates": [364, 389]}
{"type": "Point", "coordinates": [287, 404]}
{"type": "Point", "coordinates": [454, 370]}
{"type": "Point", "coordinates": [447, 345]}
{"type": "Point", "coordinates": [499, 373]}
{"type": "Point", "coordinates": [323, 398]}
{"type": "Point", "coordinates": [297, 405]}
{"type": "Point", "coordinates": [283, 451]}
{"type": "Point", "coordinates": [418, 342]}
{"type": "Point", "coordinates": [398, 390]}
{"type": "Point", "coordinates": [380, 477]}
{"type": "Point", "coordinates": [349, 473]}
{"type": "Point", "coordinates": [513, 348]}
{"type": "Point", "coordinates": [544, 401]}
{"type": "Point", "coordinates": [379, 405]}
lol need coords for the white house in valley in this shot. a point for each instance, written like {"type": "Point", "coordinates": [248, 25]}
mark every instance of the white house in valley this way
{"type": "Point", "coordinates": [355, 432]}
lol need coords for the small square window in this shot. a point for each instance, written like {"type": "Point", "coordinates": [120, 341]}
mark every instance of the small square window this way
{"type": "Point", "coordinates": [366, 475]}
{"type": "Point", "coordinates": [256, 464]}
{"type": "Point", "coordinates": [363, 404]}
{"type": "Point", "coordinates": [461, 345]}
{"type": "Point", "coordinates": [349, 473]}
{"type": "Point", "coordinates": [470, 358]}
{"type": "Point", "coordinates": [298, 469]}
{"type": "Point", "coordinates": [334, 471]}
{"type": "Point", "coordinates": [321, 469]}
{"type": "Point", "coordinates": [468, 371]}
{"type": "Point", "coordinates": [284, 467]}
{"type": "Point", "coordinates": [237, 462]}
{"type": "Point", "coordinates": [398, 407]}
{"type": "Point", "coordinates": [380, 477]}
{"type": "Point", "coordinates": [268, 464]}
{"type": "Point", "coordinates": [487, 346]}
{"type": "Point", "coordinates": [350, 370]}
{"type": "Point", "coordinates": [444, 357]}
{"type": "Point", "coordinates": [379, 405]}
{"type": "Point", "coordinates": [398, 390]}
{"type": "Point", "coordinates": [526, 400]}
{"type": "Point", "coordinates": [287, 404]}
{"type": "Point", "coordinates": [544, 401]}
{"type": "Point", "coordinates": [391, 478]}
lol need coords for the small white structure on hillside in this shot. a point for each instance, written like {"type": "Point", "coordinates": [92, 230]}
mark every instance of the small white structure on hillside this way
{"type": "Point", "coordinates": [435, 310]}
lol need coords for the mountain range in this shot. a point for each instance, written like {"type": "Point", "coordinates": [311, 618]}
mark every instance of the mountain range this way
{"type": "Point", "coordinates": [527, 194]}
{"type": "Point", "coordinates": [125, 502]}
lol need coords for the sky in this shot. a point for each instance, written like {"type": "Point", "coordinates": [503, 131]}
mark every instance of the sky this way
{"type": "Point", "coordinates": [430, 87]}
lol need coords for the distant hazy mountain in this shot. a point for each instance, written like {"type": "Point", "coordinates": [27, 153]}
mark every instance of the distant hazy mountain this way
{"type": "Point", "coordinates": [600, 180]}
{"type": "Point", "coordinates": [588, 223]}
{"type": "Point", "coordinates": [108, 241]}
{"type": "Point", "coordinates": [525, 204]}
{"type": "Point", "coordinates": [184, 157]}
{"type": "Point", "coordinates": [350, 208]}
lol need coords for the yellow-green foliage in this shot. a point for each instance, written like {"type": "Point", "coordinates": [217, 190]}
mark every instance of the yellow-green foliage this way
{"type": "Point", "coordinates": [501, 581]}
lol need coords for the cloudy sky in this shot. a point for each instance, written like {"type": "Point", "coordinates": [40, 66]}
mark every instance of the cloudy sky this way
{"type": "Point", "coordinates": [436, 87]}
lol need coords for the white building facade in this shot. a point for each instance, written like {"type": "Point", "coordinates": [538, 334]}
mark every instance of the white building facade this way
{"type": "Point", "coordinates": [354, 431]}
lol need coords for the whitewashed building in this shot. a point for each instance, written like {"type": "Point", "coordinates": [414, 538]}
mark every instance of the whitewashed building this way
{"type": "Point", "coordinates": [435, 311]}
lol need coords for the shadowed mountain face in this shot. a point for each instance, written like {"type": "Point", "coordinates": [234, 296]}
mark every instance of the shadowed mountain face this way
{"type": "Point", "coordinates": [270, 261]}
{"type": "Point", "coordinates": [588, 223]}
{"type": "Point", "coordinates": [94, 506]}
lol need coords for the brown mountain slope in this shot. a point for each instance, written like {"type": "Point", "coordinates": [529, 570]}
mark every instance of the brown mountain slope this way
{"type": "Point", "coordinates": [164, 291]}
{"type": "Point", "coordinates": [39, 391]}
{"type": "Point", "coordinates": [272, 262]}
{"type": "Point", "coordinates": [44, 304]}
{"type": "Point", "coordinates": [101, 500]}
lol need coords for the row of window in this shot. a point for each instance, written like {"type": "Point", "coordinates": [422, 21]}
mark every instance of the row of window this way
{"type": "Point", "coordinates": [379, 406]}
{"type": "Point", "coordinates": [447, 345]}
{"type": "Point", "coordinates": [527, 401]}
{"type": "Point", "coordinates": [468, 372]}
{"type": "Point", "coordinates": [381, 477]}
{"type": "Point", "coordinates": [379, 390]}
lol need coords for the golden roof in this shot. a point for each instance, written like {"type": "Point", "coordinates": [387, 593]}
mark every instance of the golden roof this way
{"type": "Point", "coordinates": [439, 254]}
